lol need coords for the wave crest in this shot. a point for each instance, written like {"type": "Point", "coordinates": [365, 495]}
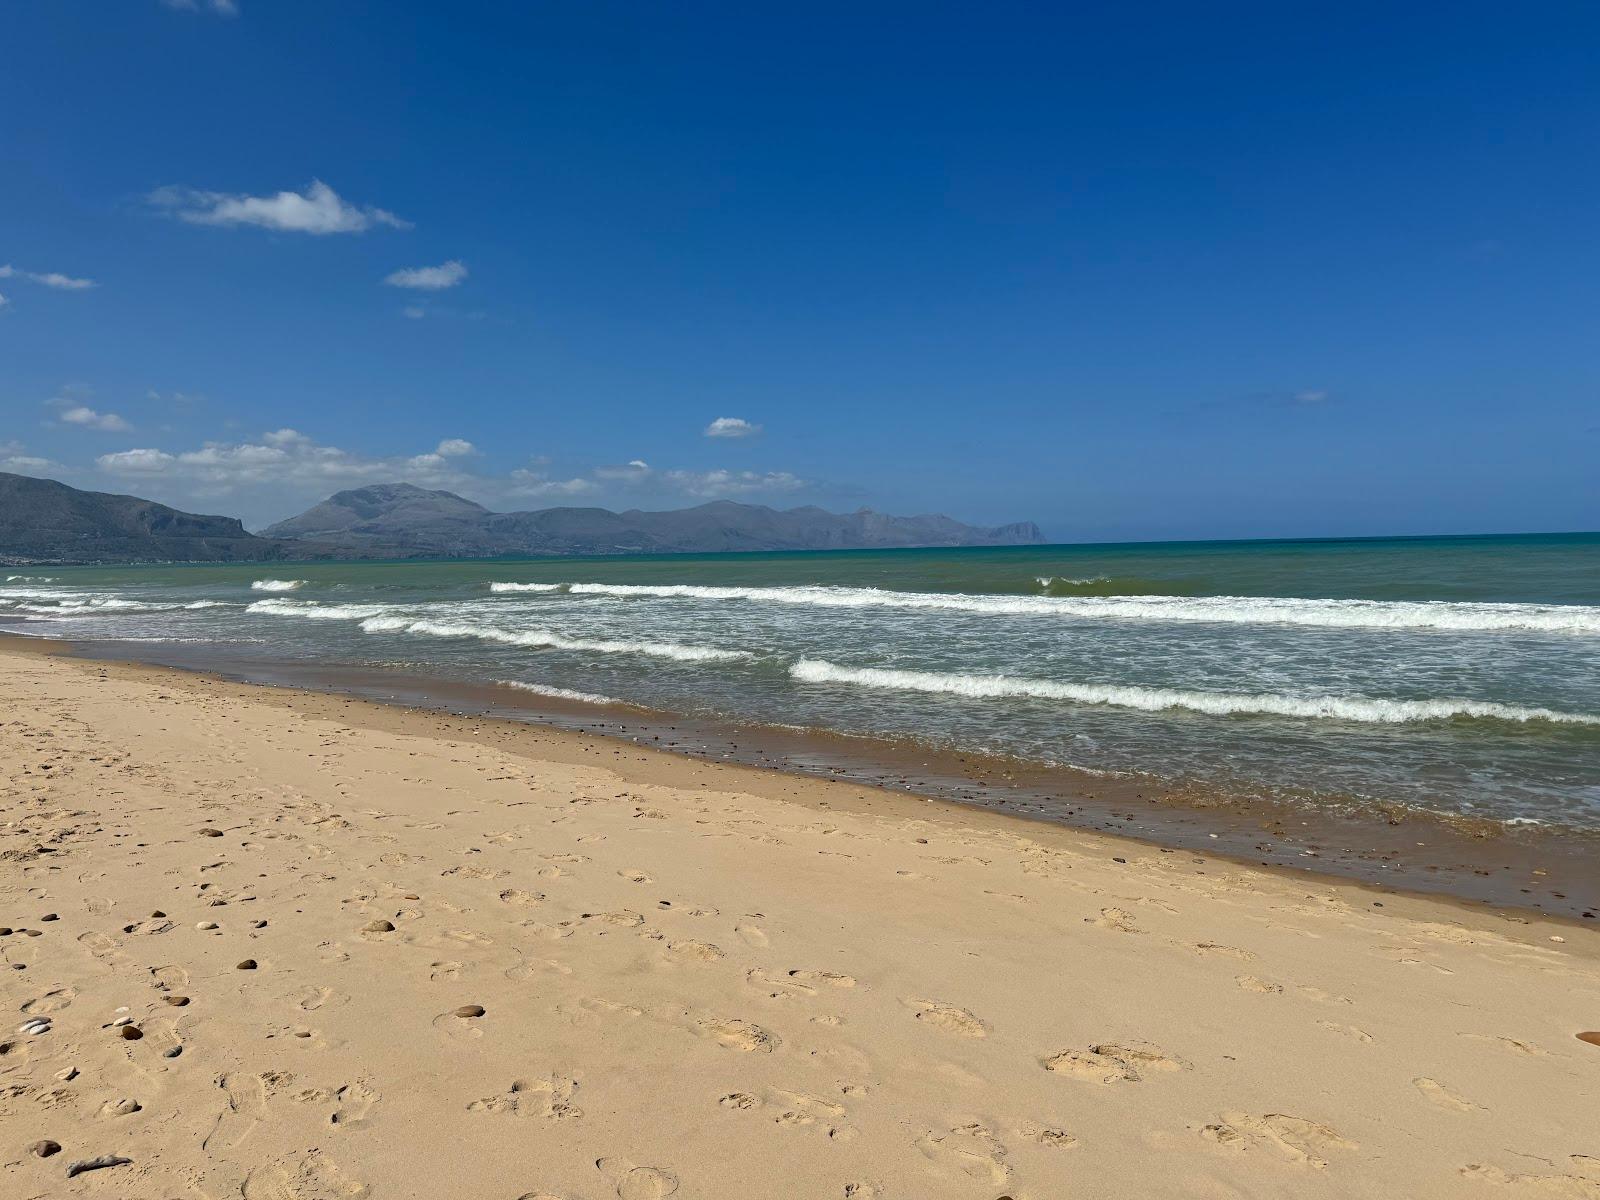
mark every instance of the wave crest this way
{"type": "Point", "coordinates": [1344, 708]}
{"type": "Point", "coordinates": [277, 585]}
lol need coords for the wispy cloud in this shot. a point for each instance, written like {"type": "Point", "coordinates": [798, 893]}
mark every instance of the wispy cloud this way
{"type": "Point", "coordinates": [429, 279]}
{"type": "Point", "coordinates": [50, 279]}
{"type": "Point", "coordinates": [14, 457]}
{"type": "Point", "coordinates": [317, 210]}
{"type": "Point", "coordinates": [222, 8]}
{"type": "Point", "coordinates": [704, 485]}
{"type": "Point", "coordinates": [84, 417]}
{"type": "Point", "coordinates": [731, 427]}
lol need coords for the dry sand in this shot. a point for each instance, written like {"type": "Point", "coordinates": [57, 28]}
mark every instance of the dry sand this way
{"type": "Point", "coordinates": [503, 962]}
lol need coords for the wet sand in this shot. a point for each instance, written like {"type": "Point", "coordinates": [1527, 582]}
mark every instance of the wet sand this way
{"type": "Point", "coordinates": [369, 950]}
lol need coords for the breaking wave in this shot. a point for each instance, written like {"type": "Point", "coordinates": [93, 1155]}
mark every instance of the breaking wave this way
{"type": "Point", "coordinates": [1253, 610]}
{"type": "Point", "coordinates": [561, 693]}
{"type": "Point", "coordinates": [277, 585]}
{"type": "Point", "coordinates": [547, 639]}
{"type": "Point", "coordinates": [316, 612]}
{"type": "Point", "coordinates": [525, 587]}
{"type": "Point", "coordinates": [1343, 708]}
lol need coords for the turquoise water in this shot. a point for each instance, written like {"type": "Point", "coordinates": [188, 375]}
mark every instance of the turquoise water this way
{"type": "Point", "coordinates": [1453, 674]}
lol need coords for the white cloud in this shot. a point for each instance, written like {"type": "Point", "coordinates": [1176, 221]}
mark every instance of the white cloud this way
{"type": "Point", "coordinates": [135, 462]}
{"type": "Point", "coordinates": [429, 279]}
{"type": "Point", "coordinates": [4, 302]}
{"type": "Point", "coordinates": [415, 312]}
{"type": "Point", "coordinates": [317, 210]}
{"type": "Point", "coordinates": [1310, 397]}
{"type": "Point", "coordinates": [14, 458]}
{"type": "Point", "coordinates": [223, 8]}
{"type": "Point", "coordinates": [525, 482]}
{"type": "Point", "coordinates": [288, 459]}
{"type": "Point", "coordinates": [639, 474]}
{"type": "Point", "coordinates": [50, 279]}
{"type": "Point", "coordinates": [85, 417]}
{"type": "Point", "coordinates": [731, 427]}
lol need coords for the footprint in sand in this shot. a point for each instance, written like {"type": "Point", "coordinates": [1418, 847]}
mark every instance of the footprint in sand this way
{"type": "Point", "coordinates": [948, 1017]}
{"type": "Point", "coordinates": [444, 971]}
{"type": "Point", "coordinates": [518, 896]}
{"type": "Point", "coordinates": [1437, 1093]}
{"type": "Point", "coordinates": [1119, 919]}
{"type": "Point", "coordinates": [623, 918]}
{"type": "Point", "coordinates": [1250, 983]}
{"type": "Point", "coordinates": [823, 978]}
{"type": "Point", "coordinates": [1516, 1045]}
{"type": "Point", "coordinates": [310, 999]}
{"type": "Point", "coordinates": [736, 1034]}
{"type": "Point", "coordinates": [549, 1098]}
{"type": "Point", "coordinates": [634, 1182]}
{"type": "Point", "coordinates": [690, 950]}
{"type": "Point", "coordinates": [52, 1001]}
{"type": "Point", "coordinates": [635, 876]}
{"type": "Point", "coordinates": [1294, 1138]}
{"type": "Point", "coordinates": [1582, 1184]}
{"type": "Point", "coordinates": [355, 1101]}
{"type": "Point", "coordinates": [310, 1178]}
{"type": "Point", "coordinates": [1109, 1062]}
{"type": "Point", "coordinates": [246, 1108]}
{"type": "Point", "coordinates": [971, 1150]}
{"type": "Point", "coordinates": [752, 935]}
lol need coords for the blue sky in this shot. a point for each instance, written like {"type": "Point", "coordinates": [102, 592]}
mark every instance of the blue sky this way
{"type": "Point", "coordinates": [1157, 271]}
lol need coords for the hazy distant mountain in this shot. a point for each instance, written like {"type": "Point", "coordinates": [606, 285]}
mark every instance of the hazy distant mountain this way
{"type": "Point", "coordinates": [407, 519]}
{"type": "Point", "coordinates": [45, 521]}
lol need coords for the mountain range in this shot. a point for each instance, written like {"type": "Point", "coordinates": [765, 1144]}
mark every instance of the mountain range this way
{"type": "Point", "coordinates": [45, 521]}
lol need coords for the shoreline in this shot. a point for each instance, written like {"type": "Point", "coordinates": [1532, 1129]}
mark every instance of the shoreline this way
{"type": "Point", "coordinates": [370, 951]}
{"type": "Point", "coordinates": [1389, 848]}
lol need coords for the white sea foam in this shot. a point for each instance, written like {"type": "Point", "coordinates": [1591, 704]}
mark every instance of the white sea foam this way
{"type": "Point", "coordinates": [525, 587]}
{"type": "Point", "coordinates": [561, 693]}
{"type": "Point", "coordinates": [1255, 610]}
{"type": "Point", "coordinates": [313, 611]}
{"type": "Point", "coordinates": [1343, 708]}
{"type": "Point", "coordinates": [31, 579]}
{"type": "Point", "coordinates": [546, 638]}
{"type": "Point", "coordinates": [277, 585]}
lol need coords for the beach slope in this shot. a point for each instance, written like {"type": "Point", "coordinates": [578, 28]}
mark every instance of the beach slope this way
{"type": "Point", "coordinates": [287, 945]}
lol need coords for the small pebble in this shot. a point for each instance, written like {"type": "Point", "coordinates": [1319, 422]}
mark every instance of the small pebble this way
{"type": "Point", "coordinates": [470, 1010]}
{"type": "Point", "coordinates": [131, 1033]}
{"type": "Point", "coordinates": [50, 917]}
{"type": "Point", "coordinates": [177, 1001]}
{"type": "Point", "coordinates": [173, 1052]}
{"type": "Point", "coordinates": [68, 1075]}
{"type": "Point", "coordinates": [211, 833]}
{"type": "Point", "coordinates": [45, 1148]}
{"type": "Point", "coordinates": [205, 925]}
{"type": "Point", "coordinates": [248, 964]}
{"type": "Point", "coordinates": [378, 927]}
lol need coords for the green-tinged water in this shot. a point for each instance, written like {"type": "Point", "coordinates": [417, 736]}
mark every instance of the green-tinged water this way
{"type": "Point", "coordinates": [1459, 674]}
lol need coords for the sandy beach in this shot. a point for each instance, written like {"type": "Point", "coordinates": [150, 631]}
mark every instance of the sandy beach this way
{"type": "Point", "coordinates": [280, 944]}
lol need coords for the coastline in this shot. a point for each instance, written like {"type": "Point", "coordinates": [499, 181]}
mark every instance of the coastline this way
{"type": "Point", "coordinates": [1390, 847]}
{"type": "Point", "coordinates": [696, 977]}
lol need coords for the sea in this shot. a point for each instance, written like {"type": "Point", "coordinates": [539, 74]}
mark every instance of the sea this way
{"type": "Point", "coordinates": [1456, 676]}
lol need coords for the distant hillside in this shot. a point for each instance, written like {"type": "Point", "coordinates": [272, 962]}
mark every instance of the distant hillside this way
{"type": "Point", "coordinates": [45, 521]}
{"type": "Point", "coordinates": [407, 519]}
